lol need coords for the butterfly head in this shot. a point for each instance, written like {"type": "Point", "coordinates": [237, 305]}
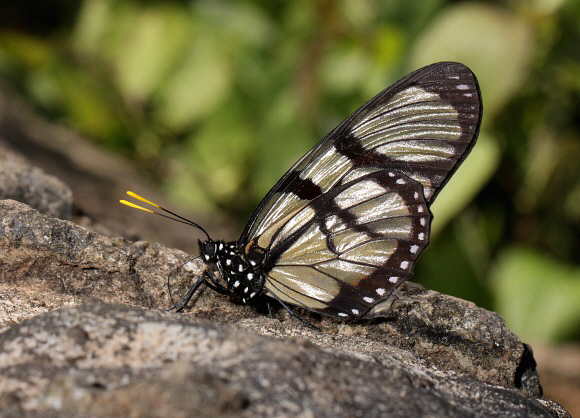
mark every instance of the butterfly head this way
{"type": "Point", "coordinates": [208, 250]}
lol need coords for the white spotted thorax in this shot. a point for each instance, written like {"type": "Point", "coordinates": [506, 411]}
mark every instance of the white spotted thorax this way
{"type": "Point", "coordinates": [243, 278]}
{"type": "Point", "coordinates": [343, 228]}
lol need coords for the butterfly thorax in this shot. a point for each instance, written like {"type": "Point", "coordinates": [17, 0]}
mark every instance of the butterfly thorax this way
{"type": "Point", "coordinates": [242, 273]}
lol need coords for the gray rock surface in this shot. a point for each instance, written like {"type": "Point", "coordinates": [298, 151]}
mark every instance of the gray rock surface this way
{"type": "Point", "coordinates": [109, 360]}
{"type": "Point", "coordinates": [25, 183]}
{"type": "Point", "coordinates": [432, 355]}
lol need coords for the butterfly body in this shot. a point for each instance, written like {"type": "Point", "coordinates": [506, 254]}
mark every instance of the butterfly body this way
{"type": "Point", "coordinates": [342, 229]}
{"type": "Point", "coordinates": [243, 275]}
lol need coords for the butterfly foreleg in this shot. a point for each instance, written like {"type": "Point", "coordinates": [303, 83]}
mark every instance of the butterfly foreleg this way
{"type": "Point", "coordinates": [215, 285]}
{"type": "Point", "coordinates": [180, 306]}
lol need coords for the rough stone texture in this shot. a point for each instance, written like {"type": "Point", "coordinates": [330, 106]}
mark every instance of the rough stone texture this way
{"type": "Point", "coordinates": [431, 355]}
{"type": "Point", "coordinates": [109, 360]}
{"type": "Point", "coordinates": [46, 262]}
{"type": "Point", "coordinates": [20, 181]}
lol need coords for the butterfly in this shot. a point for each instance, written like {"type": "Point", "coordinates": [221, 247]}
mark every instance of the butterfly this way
{"type": "Point", "coordinates": [343, 228]}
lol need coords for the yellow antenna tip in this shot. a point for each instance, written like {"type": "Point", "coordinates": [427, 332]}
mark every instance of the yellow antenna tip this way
{"type": "Point", "coordinates": [142, 199]}
{"type": "Point", "coordinates": [133, 205]}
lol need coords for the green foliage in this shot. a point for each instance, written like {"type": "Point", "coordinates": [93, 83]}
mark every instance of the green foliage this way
{"type": "Point", "coordinates": [537, 294]}
{"type": "Point", "coordinates": [226, 95]}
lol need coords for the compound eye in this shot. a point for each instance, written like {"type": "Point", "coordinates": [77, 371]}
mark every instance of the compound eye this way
{"type": "Point", "coordinates": [209, 248]}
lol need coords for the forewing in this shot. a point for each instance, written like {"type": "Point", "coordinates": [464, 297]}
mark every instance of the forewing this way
{"type": "Point", "coordinates": [423, 126]}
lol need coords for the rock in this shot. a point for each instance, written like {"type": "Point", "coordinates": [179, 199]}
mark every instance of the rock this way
{"type": "Point", "coordinates": [25, 183]}
{"type": "Point", "coordinates": [432, 355]}
{"type": "Point", "coordinates": [47, 262]}
{"type": "Point", "coordinates": [109, 360]}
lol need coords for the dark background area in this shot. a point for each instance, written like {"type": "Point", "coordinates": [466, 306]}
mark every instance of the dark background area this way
{"type": "Point", "coordinates": [214, 100]}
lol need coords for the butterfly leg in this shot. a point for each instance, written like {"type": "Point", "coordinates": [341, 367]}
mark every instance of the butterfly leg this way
{"type": "Point", "coordinates": [180, 306]}
{"type": "Point", "coordinates": [215, 285]}
{"type": "Point", "coordinates": [209, 280]}
{"type": "Point", "coordinates": [173, 304]}
{"type": "Point", "coordinates": [269, 310]}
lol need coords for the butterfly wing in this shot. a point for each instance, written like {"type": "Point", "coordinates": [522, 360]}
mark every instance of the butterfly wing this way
{"type": "Point", "coordinates": [351, 247]}
{"type": "Point", "coordinates": [344, 226]}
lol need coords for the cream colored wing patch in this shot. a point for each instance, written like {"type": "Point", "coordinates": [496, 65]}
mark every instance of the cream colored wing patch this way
{"type": "Point", "coordinates": [363, 240]}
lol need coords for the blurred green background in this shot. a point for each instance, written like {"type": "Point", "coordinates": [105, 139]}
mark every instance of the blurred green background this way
{"type": "Point", "coordinates": [216, 99]}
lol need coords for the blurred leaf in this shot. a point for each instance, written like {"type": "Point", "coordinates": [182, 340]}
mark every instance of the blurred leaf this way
{"type": "Point", "coordinates": [389, 50]}
{"type": "Point", "coordinates": [152, 49]}
{"type": "Point", "coordinates": [213, 161]}
{"type": "Point", "coordinates": [344, 68]}
{"type": "Point", "coordinates": [357, 13]}
{"type": "Point", "coordinates": [93, 21]}
{"type": "Point", "coordinates": [445, 267]}
{"type": "Point", "coordinates": [495, 43]}
{"type": "Point", "coordinates": [197, 87]}
{"type": "Point", "coordinates": [29, 50]}
{"type": "Point", "coordinates": [471, 176]}
{"type": "Point", "coordinates": [247, 25]}
{"type": "Point", "coordinates": [88, 103]}
{"type": "Point", "coordinates": [538, 296]}
{"type": "Point", "coordinates": [284, 138]}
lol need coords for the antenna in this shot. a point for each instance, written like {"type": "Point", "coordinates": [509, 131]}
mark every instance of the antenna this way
{"type": "Point", "coordinates": [175, 217]}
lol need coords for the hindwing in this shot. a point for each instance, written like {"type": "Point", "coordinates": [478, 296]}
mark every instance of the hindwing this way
{"type": "Point", "coordinates": [351, 247]}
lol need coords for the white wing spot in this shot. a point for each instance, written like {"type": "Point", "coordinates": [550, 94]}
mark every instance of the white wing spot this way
{"type": "Point", "coordinates": [423, 222]}
{"type": "Point", "coordinates": [207, 257]}
{"type": "Point", "coordinates": [404, 264]}
{"type": "Point", "coordinates": [420, 209]}
{"type": "Point", "coordinates": [236, 283]}
{"type": "Point", "coordinates": [416, 195]}
{"type": "Point", "coordinates": [250, 276]}
{"type": "Point", "coordinates": [400, 181]}
{"type": "Point", "coordinates": [368, 299]}
{"type": "Point", "coordinates": [221, 247]}
{"type": "Point", "coordinates": [342, 314]}
{"type": "Point", "coordinates": [381, 291]}
{"type": "Point", "coordinates": [252, 262]}
{"type": "Point", "coordinates": [414, 249]}
{"type": "Point", "coordinates": [462, 87]}
{"type": "Point", "coordinates": [246, 290]}
{"type": "Point", "coordinates": [421, 236]}
{"type": "Point", "coordinates": [228, 261]}
{"type": "Point", "coordinates": [252, 294]}
{"type": "Point", "coordinates": [393, 279]}
{"type": "Point", "coordinates": [240, 268]}
{"type": "Point", "coordinates": [391, 174]}
{"type": "Point", "coordinates": [354, 311]}
{"type": "Point", "coordinates": [467, 94]}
